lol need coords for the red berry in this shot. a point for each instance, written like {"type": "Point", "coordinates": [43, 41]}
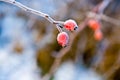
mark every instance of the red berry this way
{"type": "Point", "coordinates": [94, 24]}
{"type": "Point", "coordinates": [63, 39]}
{"type": "Point", "coordinates": [70, 25]}
{"type": "Point", "coordinates": [98, 35]}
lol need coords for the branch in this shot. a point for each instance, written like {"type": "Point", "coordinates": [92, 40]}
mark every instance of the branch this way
{"type": "Point", "coordinates": [27, 9]}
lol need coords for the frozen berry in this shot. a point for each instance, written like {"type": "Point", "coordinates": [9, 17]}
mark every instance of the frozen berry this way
{"type": "Point", "coordinates": [63, 39]}
{"type": "Point", "coordinates": [70, 25]}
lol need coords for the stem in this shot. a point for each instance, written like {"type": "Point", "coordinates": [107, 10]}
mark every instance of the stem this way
{"type": "Point", "coordinates": [59, 29]}
{"type": "Point", "coordinates": [27, 9]}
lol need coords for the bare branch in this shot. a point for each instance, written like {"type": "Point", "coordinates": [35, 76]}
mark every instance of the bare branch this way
{"type": "Point", "coordinates": [25, 8]}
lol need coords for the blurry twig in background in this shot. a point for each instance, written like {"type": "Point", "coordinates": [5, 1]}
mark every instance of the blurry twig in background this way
{"type": "Point", "coordinates": [103, 5]}
{"type": "Point", "coordinates": [104, 17]}
{"type": "Point", "coordinates": [31, 22]}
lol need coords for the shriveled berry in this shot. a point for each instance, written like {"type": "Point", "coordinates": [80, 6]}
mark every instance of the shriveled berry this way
{"type": "Point", "coordinates": [70, 25]}
{"type": "Point", "coordinates": [98, 35]}
{"type": "Point", "coordinates": [94, 24]}
{"type": "Point", "coordinates": [63, 39]}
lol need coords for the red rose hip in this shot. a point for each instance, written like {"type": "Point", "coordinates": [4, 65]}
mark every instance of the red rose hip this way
{"type": "Point", "coordinates": [70, 25]}
{"type": "Point", "coordinates": [98, 35]}
{"type": "Point", "coordinates": [94, 24]}
{"type": "Point", "coordinates": [63, 39]}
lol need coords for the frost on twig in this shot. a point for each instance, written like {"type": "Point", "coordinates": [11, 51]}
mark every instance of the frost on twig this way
{"type": "Point", "coordinates": [25, 8]}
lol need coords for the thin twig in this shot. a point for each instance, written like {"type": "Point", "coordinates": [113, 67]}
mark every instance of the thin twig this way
{"type": "Point", "coordinates": [25, 8]}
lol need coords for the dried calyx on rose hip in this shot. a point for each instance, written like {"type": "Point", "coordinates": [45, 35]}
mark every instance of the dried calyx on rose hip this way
{"type": "Point", "coordinates": [94, 24]}
{"type": "Point", "coordinates": [70, 25]}
{"type": "Point", "coordinates": [63, 39]}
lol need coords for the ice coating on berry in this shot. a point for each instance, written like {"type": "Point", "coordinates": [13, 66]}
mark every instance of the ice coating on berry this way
{"type": "Point", "coordinates": [63, 38]}
{"type": "Point", "coordinates": [70, 25]}
{"type": "Point", "coordinates": [94, 24]}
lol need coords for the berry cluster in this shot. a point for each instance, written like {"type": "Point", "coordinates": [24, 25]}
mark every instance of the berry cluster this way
{"type": "Point", "coordinates": [95, 26]}
{"type": "Point", "coordinates": [63, 37]}
{"type": "Point", "coordinates": [71, 25]}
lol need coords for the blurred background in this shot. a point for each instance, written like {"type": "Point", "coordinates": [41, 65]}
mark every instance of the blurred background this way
{"type": "Point", "coordinates": [28, 43]}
